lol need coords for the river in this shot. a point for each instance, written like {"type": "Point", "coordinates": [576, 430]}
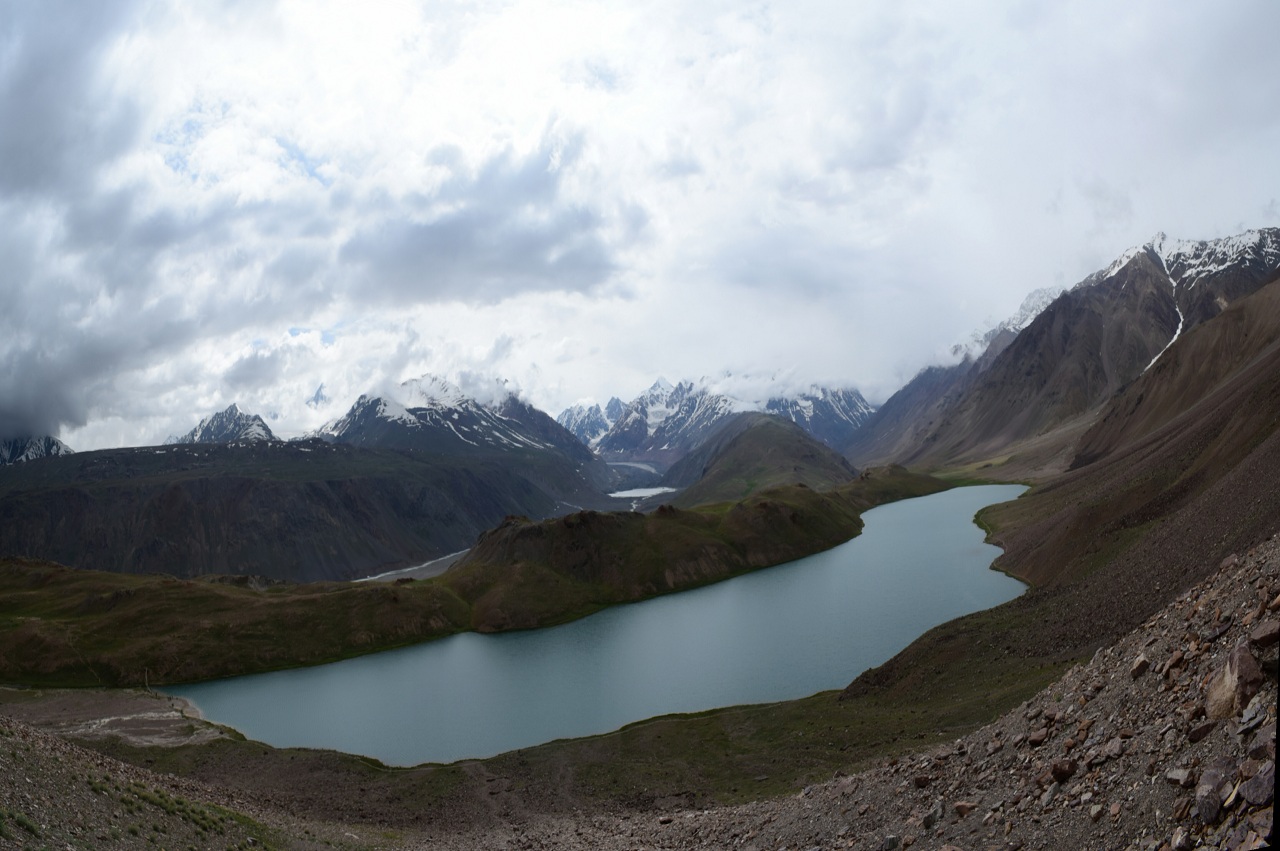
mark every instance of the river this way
{"type": "Point", "coordinates": [776, 634]}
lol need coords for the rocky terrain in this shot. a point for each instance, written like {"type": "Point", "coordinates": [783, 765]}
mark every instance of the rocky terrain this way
{"type": "Point", "coordinates": [1163, 741]}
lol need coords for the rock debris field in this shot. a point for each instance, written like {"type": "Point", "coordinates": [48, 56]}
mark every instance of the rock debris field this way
{"type": "Point", "coordinates": [1164, 741]}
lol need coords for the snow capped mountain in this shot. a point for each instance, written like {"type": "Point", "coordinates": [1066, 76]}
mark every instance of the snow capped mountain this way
{"type": "Point", "coordinates": [1188, 262]}
{"type": "Point", "coordinates": [227, 426]}
{"type": "Point", "coordinates": [590, 423]}
{"type": "Point", "coordinates": [1003, 332]}
{"type": "Point", "coordinates": [666, 421]}
{"type": "Point", "coordinates": [432, 414]}
{"type": "Point", "coordinates": [19, 449]}
{"type": "Point", "coordinates": [832, 416]}
{"type": "Point", "coordinates": [1194, 279]}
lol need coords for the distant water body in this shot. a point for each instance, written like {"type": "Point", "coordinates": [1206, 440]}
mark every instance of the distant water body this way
{"type": "Point", "coordinates": [776, 634]}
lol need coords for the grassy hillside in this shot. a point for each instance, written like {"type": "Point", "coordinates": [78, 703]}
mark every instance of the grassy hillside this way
{"type": "Point", "coordinates": [526, 574]}
{"type": "Point", "coordinates": [63, 626]}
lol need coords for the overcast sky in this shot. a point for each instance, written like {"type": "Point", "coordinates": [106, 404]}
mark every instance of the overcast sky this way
{"type": "Point", "coordinates": [207, 203]}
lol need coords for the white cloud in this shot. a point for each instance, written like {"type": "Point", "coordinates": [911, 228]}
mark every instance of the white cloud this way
{"type": "Point", "coordinates": [579, 197]}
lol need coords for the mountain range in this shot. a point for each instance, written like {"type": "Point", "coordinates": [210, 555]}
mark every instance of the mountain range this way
{"type": "Point", "coordinates": [1041, 388]}
{"type": "Point", "coordinates": [665, 422]}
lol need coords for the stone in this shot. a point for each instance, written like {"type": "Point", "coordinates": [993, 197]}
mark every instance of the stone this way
{"type": "Point", "coordinates": [922, 780]}
{"type": "Point", "coordinates": [891, 843]}
{"type": "Point", "coordinates": [1049, 794]}
{"type": "Point", "coordinates": [934, 815]}
{"type": "Point", "coordinates": [1211, 791]}
{"type": "Point", "coordinates": [1182, 807]}
{"type": "Point", "coordinates": [1266, 633]}
{"type": "Point", "coordinates": [1096, 811]}
{"type": "Point", "coordinates": [1139, 666]}
{"type": "Point", "coordinates": [1037, 738]}
{"type": "Point", "coordinates": [1274, 605]}
{"type": "Point", "coordinates": [1199, 731]}
{"type": "Point", "coordinates": [1181, 840]}
{"type": "Point", "coordinates": [1183, 777]}
{"type": "Point", "coordinates": [1234, 684]}
{"type": "Point", "coordinates": [963, 808]}
{"type": "Point", "coordinates": [1064, 770]}
{"type": "Point", "coordinates": [1259, 790]}
{"type": "Point", "coordinates": [1114, 748]}
{"type": "Point", "coordinates": [1263, 745]}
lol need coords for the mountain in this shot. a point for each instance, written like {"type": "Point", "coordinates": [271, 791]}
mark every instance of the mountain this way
{"type": "Point", "coordinates": [667, 421]}
{"type": "Point", "coordinates": [750, 452]}
{"type": "Point", "coordinates": [831, 416]}
{"type": "Point", "coordinates": [432, 415]}
{"type": "Point", "coordinates": [299, 511]}
{"type": "Point", "coordinates": [227, 426]}
{"type": "Point", "coordinates": [589, 423]}
{"type": "Point", "coordinates": [18, 449]}
{"type": "Point", "coordinates": [1041, 390]}
{"type": "Point", "coordinates": [992, 341]}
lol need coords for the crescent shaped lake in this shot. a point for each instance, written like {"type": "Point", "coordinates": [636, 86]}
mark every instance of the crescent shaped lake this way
{"type": "Point", "coordinates": [776, 634]}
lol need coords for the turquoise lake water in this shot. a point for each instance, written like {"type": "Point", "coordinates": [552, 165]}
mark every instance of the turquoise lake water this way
{"type": "Point", "coordinates": [776, 634]}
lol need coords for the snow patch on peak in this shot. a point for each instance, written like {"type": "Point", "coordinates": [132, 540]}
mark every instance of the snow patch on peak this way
{"type": "Point", "coordinates": [390, 409]}
{"type": "Point", "coordinates": [429, 391]}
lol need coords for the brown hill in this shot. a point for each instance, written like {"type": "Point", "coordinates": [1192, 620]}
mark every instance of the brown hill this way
{"type": "Point", "coordinates": [1094, 340]}
{"type": "Point", "coordinates": [751, 452]}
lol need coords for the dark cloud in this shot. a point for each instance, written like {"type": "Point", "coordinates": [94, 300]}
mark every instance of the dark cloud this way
{"type": "Point", "coordinates": [486, 237]}
{"type": "Point", "coordinates": [56, 131]}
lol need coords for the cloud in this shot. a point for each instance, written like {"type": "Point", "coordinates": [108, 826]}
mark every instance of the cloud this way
{"type": "Point", "coordinates": [579, 198]}
{"type": "Point", "coordinates": [485, 236]}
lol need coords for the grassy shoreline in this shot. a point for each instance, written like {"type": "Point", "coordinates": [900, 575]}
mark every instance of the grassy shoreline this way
{"type": "Point", "coordinates": [65, 627]}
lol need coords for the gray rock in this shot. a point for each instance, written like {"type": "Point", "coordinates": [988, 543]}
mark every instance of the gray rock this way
{"type": "Point", "coordinates": [934, 815]}
{"type": "Point", "coordinates": [1211, 791]}
{"type": "Point", "coordinates": [1260, 789]}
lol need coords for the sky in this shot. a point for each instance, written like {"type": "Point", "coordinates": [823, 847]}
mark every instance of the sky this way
{"type": "Point", "coordinates": [214, 202]}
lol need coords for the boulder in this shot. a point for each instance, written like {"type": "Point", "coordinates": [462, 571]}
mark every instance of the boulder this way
{"type": "Point", "coordinates": [1139, 666]}
{"type": "Point", "coordinates": [1259, 790]}
{"type": "Point", "coordinates": [1211, 791]}
{"type": "Point", "coordinates": [1064, 770]}
{"type": "Point", "coordinates": [1266, 633]}
{"type": "Point", "coordinates": [1234, 684]}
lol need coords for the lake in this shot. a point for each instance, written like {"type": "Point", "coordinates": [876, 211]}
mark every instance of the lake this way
{"type": "Point", "coordinates": [777, 634]}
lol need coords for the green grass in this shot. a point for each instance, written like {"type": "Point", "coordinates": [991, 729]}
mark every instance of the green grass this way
{"type": "Point", "coordinates": [65, 627]}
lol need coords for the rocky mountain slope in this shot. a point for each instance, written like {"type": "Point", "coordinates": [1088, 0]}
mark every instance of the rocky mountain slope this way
{"type": "Point", "coordinates": [1074, 356]}
{"type": "Point", "coordinates": [298, 511]}
{"type": "Point", "coordinates": [19, 449]}
{"type": "Point", "coordinates": [227, 426]}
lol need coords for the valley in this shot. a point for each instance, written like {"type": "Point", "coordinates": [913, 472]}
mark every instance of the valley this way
{"type": "Point", "coordinates": [1142, 405]}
